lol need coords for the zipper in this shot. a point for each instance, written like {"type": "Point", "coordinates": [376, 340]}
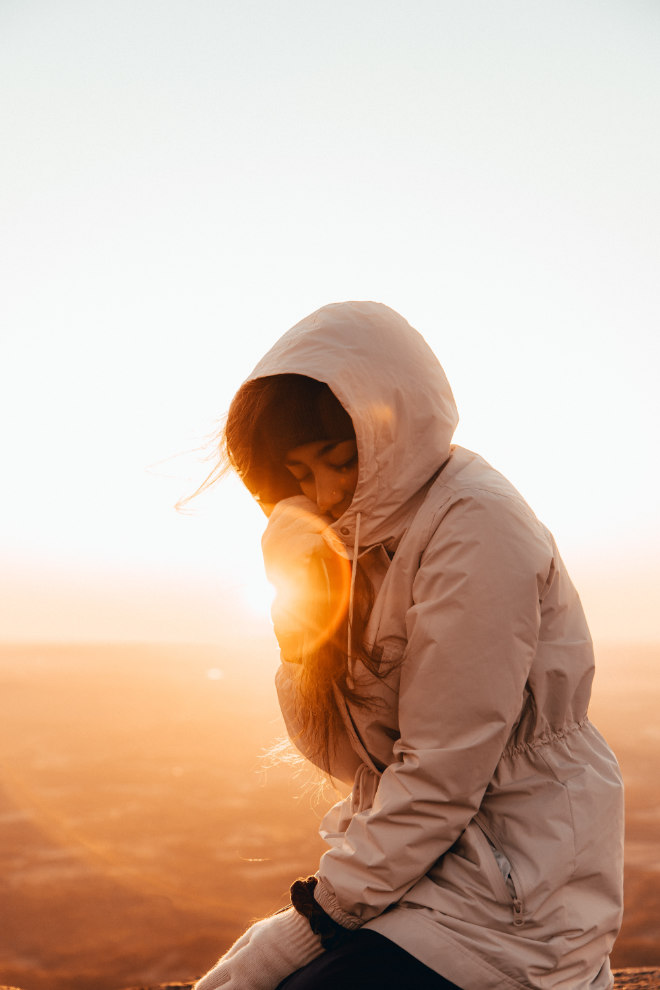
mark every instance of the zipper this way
{"type": "Point", "coordinates": [516, 901]}
{"type": "Point", "coordinates": [518, 918]}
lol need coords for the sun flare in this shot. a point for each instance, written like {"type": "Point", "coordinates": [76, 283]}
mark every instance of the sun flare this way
{"type": "Point", "coordinates": [258, 596]}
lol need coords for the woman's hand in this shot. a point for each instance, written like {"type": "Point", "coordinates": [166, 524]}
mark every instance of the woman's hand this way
{"type": "Point", "coordinates": [302, 560]}
{"type": "Point", "coordinates": [293, 534]}
{"type": "Point", "coordinates": [268, 952]}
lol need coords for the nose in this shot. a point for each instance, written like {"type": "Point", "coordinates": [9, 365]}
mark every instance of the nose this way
{"type": "Point", "coordinates": [328, 493]}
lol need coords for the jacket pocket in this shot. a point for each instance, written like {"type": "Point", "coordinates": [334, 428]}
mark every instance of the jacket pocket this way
{"type": "Point", "coordinates": [469, 885]}
{"type": "Point", "coordinates": [508, 887]}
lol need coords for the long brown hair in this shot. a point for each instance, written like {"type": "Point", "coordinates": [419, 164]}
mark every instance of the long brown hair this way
{"type": "Point", "coordinates": [267, 417]}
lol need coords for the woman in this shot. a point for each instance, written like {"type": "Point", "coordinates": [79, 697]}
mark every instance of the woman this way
{"type": "Point", "coordinates": [444, 672]}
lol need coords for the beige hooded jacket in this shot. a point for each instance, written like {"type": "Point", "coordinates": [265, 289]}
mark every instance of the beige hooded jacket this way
{"type": "Point", "coordinates": [484, 831]}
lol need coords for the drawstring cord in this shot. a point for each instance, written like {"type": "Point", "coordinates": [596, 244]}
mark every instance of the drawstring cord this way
{"type": "Point", "coordinates": [367, 762]}
{"type": "Point", "coordinates": [349, 637]}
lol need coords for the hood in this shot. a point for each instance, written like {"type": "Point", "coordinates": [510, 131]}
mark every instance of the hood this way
{"type": "Point", "coordinates": [390, 382]}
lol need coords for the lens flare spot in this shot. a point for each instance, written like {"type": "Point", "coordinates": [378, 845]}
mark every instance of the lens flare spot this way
{"type": "Point", "coordinates": [312, 602]}
{"type": "Point", "coordinates": [382, 412]}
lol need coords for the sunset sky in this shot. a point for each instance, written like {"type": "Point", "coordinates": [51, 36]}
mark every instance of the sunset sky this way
{"type": "Point", "coordinates": [182, 180]}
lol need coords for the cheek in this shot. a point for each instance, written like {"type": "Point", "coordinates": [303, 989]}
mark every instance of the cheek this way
{"type": "Point", "coordinates": [350, 481]}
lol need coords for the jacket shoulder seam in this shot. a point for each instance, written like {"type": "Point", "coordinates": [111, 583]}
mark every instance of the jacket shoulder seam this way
{"type": "Point", "coordinates": [455, 495]}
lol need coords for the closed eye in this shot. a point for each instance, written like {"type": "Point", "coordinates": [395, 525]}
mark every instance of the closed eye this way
{"type": "Point", "coordinates": [346, 466]}
{"type": "Point", "coordinates": [340, 457]}
{"type": "Point", "coordinates": [305, 476]}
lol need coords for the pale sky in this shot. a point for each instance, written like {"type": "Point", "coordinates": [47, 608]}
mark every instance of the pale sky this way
{"type": "Point", "coordinates": [181, 181]}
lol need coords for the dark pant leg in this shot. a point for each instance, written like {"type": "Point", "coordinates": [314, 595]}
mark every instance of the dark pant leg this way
{"type": "Point", "coordinates": [366, 961]}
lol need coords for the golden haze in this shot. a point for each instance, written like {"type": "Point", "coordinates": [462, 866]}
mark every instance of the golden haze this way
{"type": "Point", "coordinates": [140, 831]}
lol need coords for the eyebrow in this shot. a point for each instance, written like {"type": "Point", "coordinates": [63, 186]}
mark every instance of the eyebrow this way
{"type": "Point", "coordinates": [325, 449]}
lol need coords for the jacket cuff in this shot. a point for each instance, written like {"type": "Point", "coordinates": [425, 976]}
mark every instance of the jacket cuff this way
{"type": "Point", "coordinates": [332, 934]}
{"type": "Point", "coordinates": [325, 897]}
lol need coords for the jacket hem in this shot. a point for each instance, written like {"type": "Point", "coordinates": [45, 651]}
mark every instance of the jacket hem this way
{"type": "Point", "coordinates": [432, 944]}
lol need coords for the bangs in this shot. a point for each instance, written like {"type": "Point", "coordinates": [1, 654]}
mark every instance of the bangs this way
{"type": "Point", "coordinates": [305, 411]}
{"type": "Point", "coordinates": [271, 416]}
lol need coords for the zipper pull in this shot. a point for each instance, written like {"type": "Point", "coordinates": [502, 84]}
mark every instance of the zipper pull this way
{"type": "Point", "coordinates": [518, 919]}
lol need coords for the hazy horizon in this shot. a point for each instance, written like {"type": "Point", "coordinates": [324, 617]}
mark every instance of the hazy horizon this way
{"type": "Point", "coordinates": [46, 606]}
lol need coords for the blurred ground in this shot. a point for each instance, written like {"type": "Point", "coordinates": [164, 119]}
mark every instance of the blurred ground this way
{"type": "Point", "coordinates": [140, 834]}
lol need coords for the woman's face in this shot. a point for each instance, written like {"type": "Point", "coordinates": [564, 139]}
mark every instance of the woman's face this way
{"type": "Point", "coordinates": [327, 472]}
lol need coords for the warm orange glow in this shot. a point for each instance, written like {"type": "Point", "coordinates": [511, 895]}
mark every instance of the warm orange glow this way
{"type": "Point", "coordinates": [138, 823]}
{"type": "Point", "coordinates": [317, 606]}
{"type": "Point", "coordinates": [311, 576]}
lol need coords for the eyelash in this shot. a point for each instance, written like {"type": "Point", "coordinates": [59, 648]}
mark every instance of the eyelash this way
{"type": "Point", "coordinates": [346, 466]}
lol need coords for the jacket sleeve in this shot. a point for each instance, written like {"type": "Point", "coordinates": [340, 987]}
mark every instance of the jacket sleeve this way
{"type": "Point", "coordinates": [472, 630]}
